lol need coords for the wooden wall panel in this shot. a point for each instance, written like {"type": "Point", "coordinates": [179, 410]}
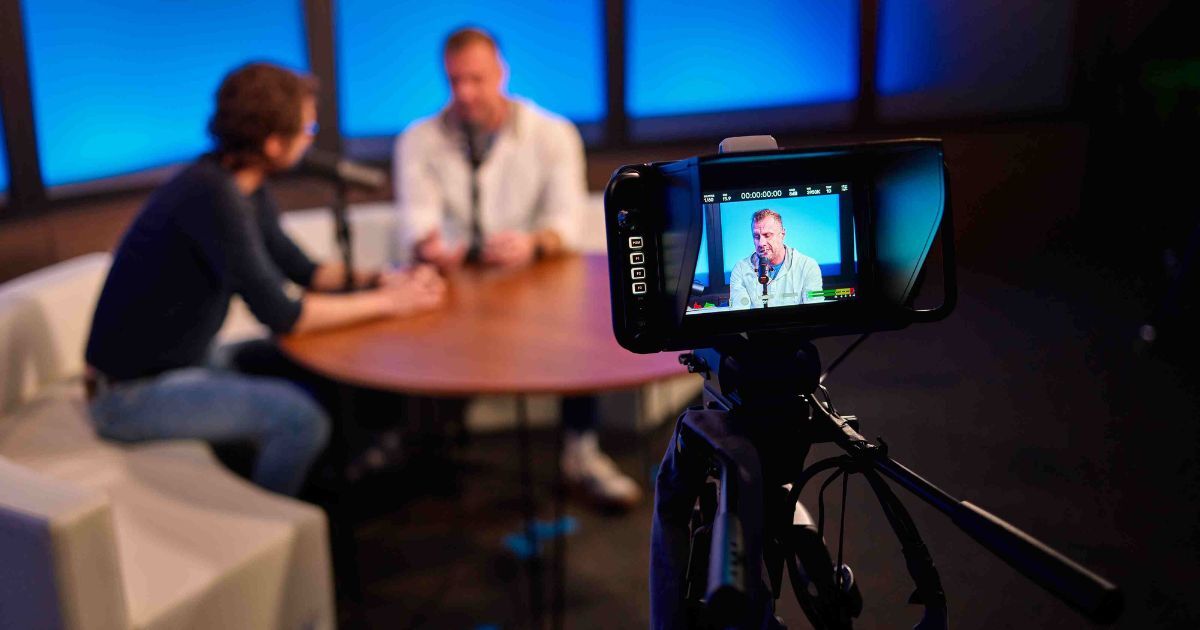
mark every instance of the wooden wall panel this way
{"type": "Point", "coordinates": [24, 247]}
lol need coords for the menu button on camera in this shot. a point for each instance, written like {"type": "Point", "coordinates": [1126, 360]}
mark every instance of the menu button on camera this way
{"type": "Point", "coordinates": [635, 242]}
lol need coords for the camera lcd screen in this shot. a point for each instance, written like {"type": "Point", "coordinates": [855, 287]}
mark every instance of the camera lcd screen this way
{"type": "Point", "coordinates": [790, 246]}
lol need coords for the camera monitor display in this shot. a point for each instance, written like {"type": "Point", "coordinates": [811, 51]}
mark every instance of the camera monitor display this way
{"type": "Point", "coordinates": [786, 246]}
{"type": "Point", "coordinates": [808, 242]}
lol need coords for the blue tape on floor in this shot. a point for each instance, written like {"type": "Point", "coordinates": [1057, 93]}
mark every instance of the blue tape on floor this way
{"type": "Point", "coordinates": [519, 543]}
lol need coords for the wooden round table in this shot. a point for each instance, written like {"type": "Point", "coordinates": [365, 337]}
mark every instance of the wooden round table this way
{"type": "Point", "coordinates": [545, 329]}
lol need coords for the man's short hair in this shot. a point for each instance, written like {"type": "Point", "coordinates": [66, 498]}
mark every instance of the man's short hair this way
{"type": "Point", "coordinates": [467, 35]}
{"type": "Point", "coordinates": [255, 101]}
{"type": "Point", "coordinates": [764, 214]}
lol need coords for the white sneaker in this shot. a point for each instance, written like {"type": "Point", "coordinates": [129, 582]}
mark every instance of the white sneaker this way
{"type": "Point", "coordinates": [586, 468]}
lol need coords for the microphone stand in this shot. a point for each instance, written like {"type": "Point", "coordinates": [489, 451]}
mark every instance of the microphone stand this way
{"type": "Point", "coordinates": [475, 159]}
{"type": "Point", "coordinates": [342, 231]}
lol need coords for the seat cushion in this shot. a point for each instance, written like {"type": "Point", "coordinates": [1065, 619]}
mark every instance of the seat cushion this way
{"type": "Point", "coordinates": [60, 565]}
{"type": "Point", "coordinates": [198, 547]}
{"type": "Point", "coordinates": [54, 426]}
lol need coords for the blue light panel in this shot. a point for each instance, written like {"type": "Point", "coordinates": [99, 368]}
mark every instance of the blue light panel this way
{"type": "Point", "coordinates": [947, 57]}
{"type": "Point", "coordinates": [128, 85]}
{"type": "Point", "coordinates": [717, 55]}
{"type": "Point", "coordinates": [389, 55]}
{"type": "Point", "coordinates": [3, 162]}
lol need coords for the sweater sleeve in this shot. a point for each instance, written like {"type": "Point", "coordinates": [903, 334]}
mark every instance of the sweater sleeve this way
{"type": "Point", "coordinates": [250, 268]}
{"type": "Point", "coordinates": [292, 260]}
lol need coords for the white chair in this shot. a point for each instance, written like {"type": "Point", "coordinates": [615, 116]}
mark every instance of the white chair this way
{"type": "Point", "coordinates": [98, 535]}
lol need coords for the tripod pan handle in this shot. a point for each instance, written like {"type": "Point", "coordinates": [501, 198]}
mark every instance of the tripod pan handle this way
{"type": "Point", "coordinates": [1098, 599]}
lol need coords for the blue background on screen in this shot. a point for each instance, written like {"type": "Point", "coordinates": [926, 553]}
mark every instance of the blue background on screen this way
{"type": "Point", "coordinates": [713, 55]}
{"type": "Point", "coordinates": [389, 57]}
{"type": "Point", "coordinates": [3, 162]}
{"type": "Point", "coordinates": [812, 225]}
{"type": "Point", "coordinates": [129, 85]}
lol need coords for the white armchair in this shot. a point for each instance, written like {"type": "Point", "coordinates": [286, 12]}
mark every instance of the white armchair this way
{"type": "Point", "coordinates": [99, 535]}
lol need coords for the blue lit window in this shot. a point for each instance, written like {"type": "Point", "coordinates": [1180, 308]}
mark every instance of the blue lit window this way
{"type": "Point", "coordinates": [129, 85]}
{"type": "Point", "coordinates": [948, 57]}
{"type": "Point", "coordinates": [389, 56]}
{"type": "Point", "coordinates": [717, 55]}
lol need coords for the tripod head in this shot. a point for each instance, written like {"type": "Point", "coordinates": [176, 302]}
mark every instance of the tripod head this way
{"type": "Point", "coordinates": [751, 373]}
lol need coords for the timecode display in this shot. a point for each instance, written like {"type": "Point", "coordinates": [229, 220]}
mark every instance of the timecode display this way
{"type": "Point", "coordinates": [761, 194]}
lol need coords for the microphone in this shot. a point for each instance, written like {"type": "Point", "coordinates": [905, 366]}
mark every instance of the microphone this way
{"type": "Point", "coordinates": [763, 278]}
{"type": "Point", "coordinates": [334, 167]}
{"type": "Point", "coordinates": [474, 151]}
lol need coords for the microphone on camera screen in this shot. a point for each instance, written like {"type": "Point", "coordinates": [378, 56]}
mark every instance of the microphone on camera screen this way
{"type": "Point", "coordinates": [474, 150]}
{"type": "Point", "coordinates": [763, 278]}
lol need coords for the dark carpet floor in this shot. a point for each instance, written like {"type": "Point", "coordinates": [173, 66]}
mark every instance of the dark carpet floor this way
{"type": "Point", "coordinates": [1028, 401]}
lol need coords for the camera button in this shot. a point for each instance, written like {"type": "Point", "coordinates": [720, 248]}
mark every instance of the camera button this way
{"type": "Point", "coordinates": [637, 258]}
{"type": "Point", "coordinates": [637, 273]}
{"type": "Point", "coordinates": [639, 288]}
{"type": "Point", "coordinates": [635, 242]}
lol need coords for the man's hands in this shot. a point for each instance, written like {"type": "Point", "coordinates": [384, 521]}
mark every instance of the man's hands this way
{"type": "Point", "coordinates": [411, 291]}
{"type": "Point", "coordinates": [399, 293]}
{"type": "Point", "coordinates": [509, 249]}
{"type": "Point", "coordinates": [436, 250]}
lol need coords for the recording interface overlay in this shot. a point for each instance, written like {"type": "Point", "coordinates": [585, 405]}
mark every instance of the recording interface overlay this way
{"type": "Point", "coordinates": [755, 194]}
{"type": "Point", "coordinates": [787, 246]}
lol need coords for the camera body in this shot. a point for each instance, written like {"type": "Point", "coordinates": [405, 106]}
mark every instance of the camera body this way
{"type": "Point", "coordinates": [804, 242]}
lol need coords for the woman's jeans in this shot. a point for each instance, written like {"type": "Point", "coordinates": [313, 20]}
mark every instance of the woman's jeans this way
{"type": "Point", "coordinates": [217, 405]}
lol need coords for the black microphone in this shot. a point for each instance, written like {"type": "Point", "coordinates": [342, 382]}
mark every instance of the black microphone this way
{"type": "Point", "coordinates": [474, 151]}
{"type": "Point", "coordinates": [763, 278]}
{"type": "Point", "coordinates": [334, 167]}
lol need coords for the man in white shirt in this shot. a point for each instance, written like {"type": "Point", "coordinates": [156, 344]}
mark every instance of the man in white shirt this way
{"type": "Point", "coordinates": [790, 274]}
{"type": "Point", "coordinates": [500, 182]}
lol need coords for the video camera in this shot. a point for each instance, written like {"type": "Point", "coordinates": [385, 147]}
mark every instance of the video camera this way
{"type": "Point", "coordinates": [811, 242]}
{"type": "Point", "coordinates": [747, 256]}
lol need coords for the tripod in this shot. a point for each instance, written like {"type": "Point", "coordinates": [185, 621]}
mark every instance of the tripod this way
{"type": "Point", "coordinates": [727, 518]}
